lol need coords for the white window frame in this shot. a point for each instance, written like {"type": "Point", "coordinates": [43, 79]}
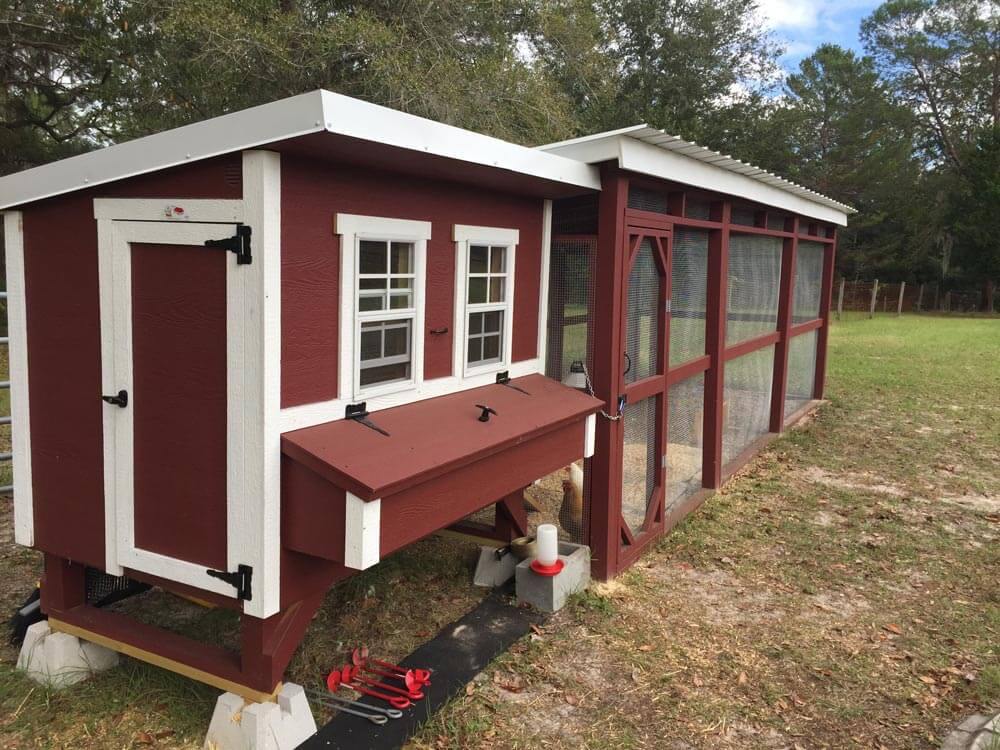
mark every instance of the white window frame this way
{"type": "Point", "coordinates": [354, 228]}
{"type": "Point", "coordinates": [465, 236]}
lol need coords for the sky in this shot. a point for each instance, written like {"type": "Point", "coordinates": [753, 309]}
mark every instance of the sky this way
{"type": "Point", "coordinates": [803, 25]}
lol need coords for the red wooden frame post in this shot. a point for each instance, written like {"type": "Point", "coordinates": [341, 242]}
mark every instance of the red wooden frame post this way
{"type": "Point", "coordinates": [823, 334]}
{"type": "Point", "coordinates": [715, 346]}
{"type": "Point", "coordinates": [605, 466]}
{"type": "Point", "coordinates": [789, 252]}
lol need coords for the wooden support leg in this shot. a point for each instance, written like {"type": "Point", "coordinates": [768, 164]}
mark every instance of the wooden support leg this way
{"type": "Point", "coordinates": [64, 584]}
{"type": "Point", "coordinates": [266, 646]}
{"type": "Point", "coordinates": [511, 519]}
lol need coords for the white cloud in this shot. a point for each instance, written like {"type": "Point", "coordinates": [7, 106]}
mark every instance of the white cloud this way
{"type": "Point", "coordinates": [791, 14]}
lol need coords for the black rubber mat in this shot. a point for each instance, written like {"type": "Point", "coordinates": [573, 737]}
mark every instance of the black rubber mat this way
{"type": "Point", "coordinates": [457, 654]}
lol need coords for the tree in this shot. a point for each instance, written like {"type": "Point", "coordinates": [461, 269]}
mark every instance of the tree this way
{"type": "Point", "coordinates": [974, 211]}
{"type": "Point", "coordinates": [941, 56]}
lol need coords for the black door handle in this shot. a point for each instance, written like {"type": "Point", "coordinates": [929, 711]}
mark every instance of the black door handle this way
{"type": "Point", "coordinates": [120, 400]}
{"type": "Point", "coordinates": [628, 363]}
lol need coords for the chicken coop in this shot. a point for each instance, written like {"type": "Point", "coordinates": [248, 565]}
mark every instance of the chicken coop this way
{"type": "Point", "coordinates": [257, 354]}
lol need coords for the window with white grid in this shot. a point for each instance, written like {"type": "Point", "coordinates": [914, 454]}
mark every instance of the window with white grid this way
{"type": "Point", "coordinates": [382, 314]}
{"type": "Point", "coordinates": [485, 289]}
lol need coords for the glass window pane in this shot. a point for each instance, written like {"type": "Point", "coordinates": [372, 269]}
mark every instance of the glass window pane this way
{"type": "Point", "coordinates": [475, 350]}
{"type": "Point", "coordinates": [476, 323]}
{"type": "Point", "coordinates": [372, 257]}
{"type": "Point", "coordinates": [477, 290]}
{"type": "Point", "coordinates": [491, 347]}
{"type": "Point", "coordinates": [371, 303]}
{"type": "Point", "coordinates": [399, 301]}
{"type": "Point", "coordinates": [498, 260]}
{"type": "Point", "coordinates": [397, 340]}
{"type": "Point", "coordinates": [404, 283]}
{"type": "Point", "coordinates": [478, 255]}
{"type": "Point", "coordinates": [492, 321]}
{"type": "Point", "coordinates": [371, 283]}
{"type": "Point", "coordinates": [385, 374]}
{"type": "Point", "coordinates": [497, 289]}
{"type": "Point", "coordinates": [402, 257]}
{"type": "Point", "coordinates": [371, 345]}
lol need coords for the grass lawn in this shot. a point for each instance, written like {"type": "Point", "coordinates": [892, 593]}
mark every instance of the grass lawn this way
{"type": "Point", "coordinates": [842, 591]}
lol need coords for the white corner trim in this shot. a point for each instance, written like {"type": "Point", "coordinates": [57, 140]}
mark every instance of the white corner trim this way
{"type": "Point", "coordinates": [254, 517]}
{"type": "Point", "coordinates": [20, 422]}
{"type": "Point", "coordinates": [362, 529]}
{"type": "Point", "coordinates": [589, 436]}
{"type": "Point", "coordinates": [381, 227]}
{"type": "Point", "coordinates": [543, 285]}
{"type": "Point", "coordinates": [485, 235]}
{"type": "Point", "coordinates": [159, 209]}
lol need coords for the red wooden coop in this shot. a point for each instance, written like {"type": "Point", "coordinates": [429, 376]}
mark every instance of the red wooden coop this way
{"type": "Point", "coordinates": [256, 354]}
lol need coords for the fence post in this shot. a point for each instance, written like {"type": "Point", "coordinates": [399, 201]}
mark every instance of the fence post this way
{"type": "Point", "coordinates": [920, 299]}
{"type": "Point", "coordinates": [899, 307]}
{"type": "Point", "coordinates": [871, 307]}
{"type": "Point", "coordinates": [947, 301]}
{"type": "Point", "coordinates": [840, 298]}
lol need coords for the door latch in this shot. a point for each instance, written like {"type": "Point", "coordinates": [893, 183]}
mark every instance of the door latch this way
{"type": "Point", "coordinates": [239, 243]}
{"type": "Point", "coordinates": [240, 580]}
{"type": "Point", "coordinates": [120, 400]}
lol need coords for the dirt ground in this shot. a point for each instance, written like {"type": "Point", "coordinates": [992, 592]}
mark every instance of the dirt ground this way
{"type": "Point", "coordinates": [840, 592]}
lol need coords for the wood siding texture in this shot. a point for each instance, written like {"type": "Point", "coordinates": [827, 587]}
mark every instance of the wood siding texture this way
{"type": "Point", "coordinates": [313, 192]}
{"type": "Point", "coordinates": [64, 350]}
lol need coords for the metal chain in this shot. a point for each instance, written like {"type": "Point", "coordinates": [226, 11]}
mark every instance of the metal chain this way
{"type": "Point", "coordinates": [590, 390]}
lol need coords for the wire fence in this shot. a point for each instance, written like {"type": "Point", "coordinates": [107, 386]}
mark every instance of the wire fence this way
{"type": "Point", "coordinates": [875, 296]}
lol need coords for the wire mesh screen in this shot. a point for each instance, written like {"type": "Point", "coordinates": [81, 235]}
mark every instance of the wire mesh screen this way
{"type": "Point", "coordinates": [571, 296]}
{"type": "Point", "coordinates": [808, 281]}
{"type": "Point", "coordinates": [743, 215]}
{"type": "Point", "coordinates": [645, 199]}
{"type": "Point", "coordinates": [643, 321]}
{"type": "Point", "coordinates": [754, 276]}
{"type": "Point", "coordinates": [746, 400]}
{"type": "Point", "coordinates": [576, 215]}
{"type": "Point", "coordinates": [639, 461]}
{"type": "Point", "coordinates": [688, 292]}
{"type": "Point", "coordinates": [685, 423]}
{"type": "Point", "coordinates": [697, 208]}
{"type": "Point", "coordinates": [801, 372]}
{"type": "Point", "coordinates": [776, 222]}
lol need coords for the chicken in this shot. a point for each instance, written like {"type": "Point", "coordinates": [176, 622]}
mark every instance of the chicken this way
{"type": "Point", "coordinates": [571, 511]}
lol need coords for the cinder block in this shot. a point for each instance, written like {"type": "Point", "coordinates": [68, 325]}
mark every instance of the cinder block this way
{"type": "Point", "coordinates": [549, 593]}
{"type": "Point", "coordinates": [239, 725]}
{"type": "Point", "coordinates": [493, 571]}
{"type": "Point", "coordinates": [59, 660]}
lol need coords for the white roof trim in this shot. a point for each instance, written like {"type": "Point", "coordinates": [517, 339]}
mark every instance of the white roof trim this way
{"type": "Point", "coordinates": [645, 150]}
{"type": "Point", "coordinates": [300, 115]}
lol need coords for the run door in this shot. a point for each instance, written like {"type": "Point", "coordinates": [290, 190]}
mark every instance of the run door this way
{"type": "Point", "coordinates": [168, 321]}
{"type": "Point", "coordinates": [645, 336]}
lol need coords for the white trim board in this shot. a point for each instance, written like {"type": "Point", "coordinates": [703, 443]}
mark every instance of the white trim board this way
{"type": "Point", "coordinates": [652, 152]}
{"type": "Point", "coordinates": [543, 283]}
{"type": "Point", "coordinates": [307, 415]}
{"type": "Point", "coordinates": [20, 421]}
{"type": "Point", "coordinates": [362, 532]}
{"type": "Point", "coordinates": [313, 112]}
{"type": "Point", "coordinates": [154, 209]}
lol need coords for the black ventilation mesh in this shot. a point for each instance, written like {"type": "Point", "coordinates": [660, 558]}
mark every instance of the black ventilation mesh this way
{"type": "Point", "coordinates": [644, 199]}
{"type": "Point", "coordinates": [746, 400]}
{"type": "Point", "coordinates": [575, 215]}
{"type": "Point", "coordinates": [643, 317]}
{"type": "Point", "coordinates": [743, 215]}
{"type": "Point", "coordinates": [689, 301]}
{"type": "Point", "coordinates": [754, 277]}
{"type": "Point", "coordinates": [776, 222]}
{"type": "Point", "coordinates": [697, 208]}
{"type": "Point", "coordinates": [801, 372]}
{"type": "Point", "coordinates": [808, 281]}
{"type": "Point", "coordinates": [639, 461]}
{"type": "Point", "coordinates": [685, 437]}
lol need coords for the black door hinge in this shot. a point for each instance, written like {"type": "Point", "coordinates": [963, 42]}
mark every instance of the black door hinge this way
{"type": "Point", "coordinates": [239, 243]}
{"type": "Point", "coordinates": [240, 580]}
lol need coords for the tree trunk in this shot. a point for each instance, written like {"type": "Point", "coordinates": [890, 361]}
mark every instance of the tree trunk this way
{"type": "Point", "coordinates": [989, 287]}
